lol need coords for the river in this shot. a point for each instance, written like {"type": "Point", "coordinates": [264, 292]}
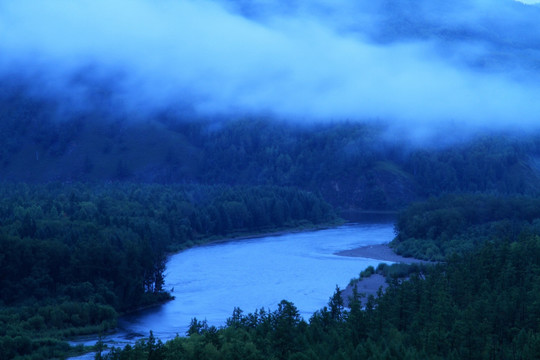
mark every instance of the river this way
{"type": "Point", "coordinates": [209, 281]}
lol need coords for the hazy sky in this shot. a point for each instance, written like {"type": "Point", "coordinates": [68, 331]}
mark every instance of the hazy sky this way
{"type": "Point", "coordinates": [310, 61]}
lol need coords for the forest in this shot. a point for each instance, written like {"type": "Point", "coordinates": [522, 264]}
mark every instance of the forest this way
{"type": "Point", "coordinates": [459, 223]}
{"type": "Point", "coordinates": [480, 302]}
{"type": "Point", "coordinates": [351, 164]}
{"type": "Point", "coordinates": [68, 246]}
{"type": "Point", "coordinates": [89, 211]}
{"type": "Point", "coordinates": [121, 144]}
{"type": "Point", "coordinates": [75, 256]}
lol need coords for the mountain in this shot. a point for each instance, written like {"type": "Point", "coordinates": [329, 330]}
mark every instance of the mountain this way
{"type": "Point", "coordinates": [353, 165]}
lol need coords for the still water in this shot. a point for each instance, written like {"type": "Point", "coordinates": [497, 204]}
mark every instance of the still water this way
{"type": "Point", "coordinates": [209, 281]}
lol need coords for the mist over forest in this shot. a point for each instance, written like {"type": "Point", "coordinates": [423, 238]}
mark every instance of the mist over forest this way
{"type": "Point", "coordinates": [177, 91]}
{"type": "Point", "coordinates": [420, 66]}
{"type": "Point", "coordinates": [131, 129]}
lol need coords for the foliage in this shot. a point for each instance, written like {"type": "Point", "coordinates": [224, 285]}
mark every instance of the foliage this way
{"type": "Point", "coordinates": [439, 227]}
{"type": "Point", "coordinates": [370, 270]}
{"type": "Point", "coordinates": [75, 255]}
{"type": "Point", "coordinates": [352, 165]}
{"type": "Point", "coordinates": [391, 272]}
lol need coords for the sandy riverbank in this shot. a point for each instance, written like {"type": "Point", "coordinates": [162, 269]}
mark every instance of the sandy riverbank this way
{"type": "Point", "coordinates": [370, 286]}
{"type": "Point", "coordinates": [381, 252]}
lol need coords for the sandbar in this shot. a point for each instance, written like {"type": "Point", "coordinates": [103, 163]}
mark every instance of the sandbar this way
{"type": "Point", "coordinates": [370, 285]}
{"type": "Point", "coordinates": [381, 252]}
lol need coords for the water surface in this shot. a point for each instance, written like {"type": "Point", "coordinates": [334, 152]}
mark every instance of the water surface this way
{"type": "Point", "coordinates": [209, 281]}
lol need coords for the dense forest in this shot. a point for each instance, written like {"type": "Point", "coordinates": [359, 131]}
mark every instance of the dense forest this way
{"type": "Point", "coordinates": [85, 202]}
{"type": "Point", "coordinates": [121, 144]}
{"type": "Point", "coordinates": [459, 223]}
{"type": "Point", "coordinates": [67, 245]}
{"type": "Point", "coordinates": [74, 256]}
{"type": "Point", "coordinates": [479, 303]}
{"type": "Point", "coordinates": [352, 165]}
{"type": "Point", "coordinates": [68, 248]}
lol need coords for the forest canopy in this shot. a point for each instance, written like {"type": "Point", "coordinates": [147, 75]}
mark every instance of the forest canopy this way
{"type": "Point", "coordinates": [458, 223]}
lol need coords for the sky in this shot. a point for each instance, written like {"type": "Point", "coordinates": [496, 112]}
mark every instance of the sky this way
{"type": "Point", "coordinates": [424, 65]}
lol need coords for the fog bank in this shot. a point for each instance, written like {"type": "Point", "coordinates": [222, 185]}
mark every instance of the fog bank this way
{"type": "Point", "coordinates": [426, 65]}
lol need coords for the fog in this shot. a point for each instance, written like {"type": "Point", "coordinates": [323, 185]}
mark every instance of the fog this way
{"type": "Point", "coordinates": [423, 65]}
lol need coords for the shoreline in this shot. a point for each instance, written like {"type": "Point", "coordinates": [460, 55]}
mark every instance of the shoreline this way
{"type": "Point", "coordinates": [240, 236]}
{"type": "Point", "coordinates": [367, 286]}
{"type": "Point", "coordinates": [382, 252]}
{"type": "Point", "coordinates": [372, 284]}
{"type": "Point", "coordinates": [258, 235]}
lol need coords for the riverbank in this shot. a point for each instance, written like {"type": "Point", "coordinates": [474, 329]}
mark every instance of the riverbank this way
{"type": "Point", "coordinates": [381, 252]}
{"type": "Point", "coordinates": [247, 235]}
{"type": "Point", "coordinates": [349, 216]}
{"type": "Point", "coordinates": [371, 285]}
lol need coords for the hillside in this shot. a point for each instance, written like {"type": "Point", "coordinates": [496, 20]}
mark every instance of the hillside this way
{"type": "Point", "coordinates": [353, 165]}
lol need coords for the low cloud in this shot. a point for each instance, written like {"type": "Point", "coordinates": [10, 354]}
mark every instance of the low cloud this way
{"type": "Point", "coordinates": [422, 66]}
